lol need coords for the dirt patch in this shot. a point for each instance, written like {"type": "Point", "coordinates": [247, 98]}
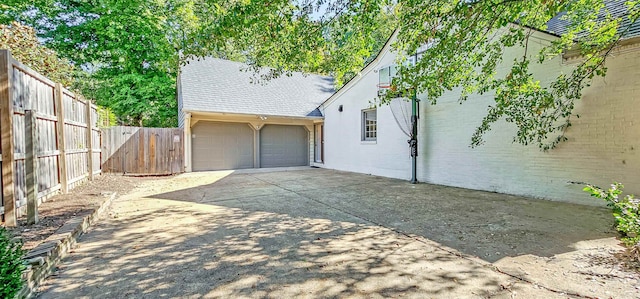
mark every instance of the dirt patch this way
{"type": "Point", "coordinates": [80, 201]}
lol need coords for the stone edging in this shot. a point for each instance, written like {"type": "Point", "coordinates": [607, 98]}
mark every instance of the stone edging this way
{"type": "Point", "coordinates": [43, 259]}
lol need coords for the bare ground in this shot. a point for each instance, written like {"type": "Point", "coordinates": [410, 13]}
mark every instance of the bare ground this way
{"type": "Point", "coordinates": [80, 201]}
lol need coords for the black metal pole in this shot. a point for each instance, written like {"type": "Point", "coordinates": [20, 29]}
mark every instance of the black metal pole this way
{"type": "Point", "coordinates": [413, 143]}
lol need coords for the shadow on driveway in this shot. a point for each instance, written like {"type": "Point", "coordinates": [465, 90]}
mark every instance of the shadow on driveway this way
{"type": "Point", "coordinates": [315, 233]}
{"type": "Point", "coordinates": [488, 225]}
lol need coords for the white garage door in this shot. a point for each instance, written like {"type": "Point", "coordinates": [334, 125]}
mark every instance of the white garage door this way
{"type": "Point", "coordinates": [282, 146]}
{"type": "Point", "coordinates": [219, 146]}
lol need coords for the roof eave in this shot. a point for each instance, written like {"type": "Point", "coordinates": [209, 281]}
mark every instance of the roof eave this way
{"type": "Point", "coordinates": [252, 114]}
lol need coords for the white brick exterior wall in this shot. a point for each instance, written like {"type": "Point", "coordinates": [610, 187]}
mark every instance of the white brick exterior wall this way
{"type": "Point", "coordinates": [603, 146]}
{"type": "Point", "coordinates": [344, 150]}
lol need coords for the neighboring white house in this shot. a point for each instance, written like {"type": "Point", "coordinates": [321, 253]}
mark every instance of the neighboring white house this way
{"type": "Point", "coordinates": [231, 122]}
{"type": "Point", "coordinates": [603, 145]}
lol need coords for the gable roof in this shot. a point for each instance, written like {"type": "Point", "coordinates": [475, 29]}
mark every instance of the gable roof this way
{"type": "Point", "coordinates": [217, 85]}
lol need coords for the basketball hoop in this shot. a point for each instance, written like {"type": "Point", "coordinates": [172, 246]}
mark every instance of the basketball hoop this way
{"type": "Point", "coordinates": [386, 86]}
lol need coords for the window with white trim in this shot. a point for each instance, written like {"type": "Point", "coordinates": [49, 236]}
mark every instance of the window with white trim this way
{"type": "Point", "coordinates": [369, 125]}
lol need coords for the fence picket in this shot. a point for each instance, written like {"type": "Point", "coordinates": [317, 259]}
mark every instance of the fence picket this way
{"type": "Point", "coordinates": [142, 151]}
{"type": "Point", "coordinates": [61, 150]}
{"type": "Point", "coordinates": [69, 147]}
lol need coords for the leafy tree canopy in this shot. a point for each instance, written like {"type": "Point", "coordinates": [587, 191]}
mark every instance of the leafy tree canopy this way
{"type": "Point", "coordinates": [133, 43]}
{"type": "Point", "coordinates": [132, 49]}
{"type": "Point", "coordinates": [23, 43]}
{"type": "Point", "coordinates": [130, 64]}
{"type": "Point", "coordinates": [467, 40]}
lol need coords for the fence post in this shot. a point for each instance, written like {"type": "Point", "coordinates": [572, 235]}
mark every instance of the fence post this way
{"type": "Point", "coordinates": [89, 140]}
{"type": "Point", "coordinates": [62, 156]}
{"type": "Point", "coordinates": [31, 165]}
{"type": "Point", "coordinates": [6, 140]}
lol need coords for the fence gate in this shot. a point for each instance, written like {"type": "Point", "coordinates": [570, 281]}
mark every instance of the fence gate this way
{"type": "Point", "coordinates": [142, 151]}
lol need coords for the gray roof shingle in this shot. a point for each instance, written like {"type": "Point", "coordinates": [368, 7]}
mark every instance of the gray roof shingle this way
{"type": "Point", "coordinates": [216, 85]}
{"type": "Point", "coordinates": [617, 9]}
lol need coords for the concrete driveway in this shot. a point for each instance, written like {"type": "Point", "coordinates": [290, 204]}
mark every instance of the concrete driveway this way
{"type": "Point", "coordinates": [320, 233]}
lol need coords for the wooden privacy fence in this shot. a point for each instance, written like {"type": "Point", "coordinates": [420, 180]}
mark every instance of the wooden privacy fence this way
{"type": "Point", "coordinates": [49, 140]}
{"type": "Point", "coordinates": [143, 151]}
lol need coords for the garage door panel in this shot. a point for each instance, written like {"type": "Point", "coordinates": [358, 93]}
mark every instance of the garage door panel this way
{"type": "Point", "coordinates": [282, 146]}
{"type": "Point", "coordinates": [219, 146]}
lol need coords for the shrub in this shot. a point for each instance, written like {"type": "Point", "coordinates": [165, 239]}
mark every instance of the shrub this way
{"type": "Point", "coordinates": [11, 265]}
{"type": "Point", "coordinates": [625, 211]}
